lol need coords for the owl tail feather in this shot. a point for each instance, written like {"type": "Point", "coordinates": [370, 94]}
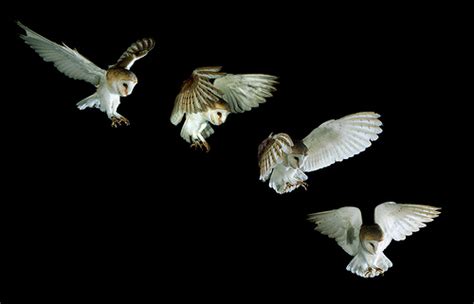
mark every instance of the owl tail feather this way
{"type": "Point", "coordinates": [89, 102]}
{"type": "Point", "coordinates": [369, 266]}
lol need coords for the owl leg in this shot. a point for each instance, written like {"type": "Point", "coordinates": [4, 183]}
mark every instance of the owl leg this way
{"type": "Point", "coordinates": [290, 186]}
{"type": "Point", "coordinates": [119, 120]}
{"type": "Point", "coordinates": [201, 143]}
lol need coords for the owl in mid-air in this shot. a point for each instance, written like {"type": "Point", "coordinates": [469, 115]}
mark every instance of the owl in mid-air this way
{"type": "Point", "coordinates": [115, 82]}
{"type": "Point", "coordinates": [284, 161]}
{"type": "Point", "coordinates": [366, 243]}
{"type": "Point", "coordinates": [210, 95]}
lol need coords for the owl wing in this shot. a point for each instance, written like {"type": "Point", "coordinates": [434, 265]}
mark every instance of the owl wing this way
{"type": "Point", "coordinates": [244, 92]}
{"type": "Point", "coordinates": [341, 224]}
{"type": "Point", "coordinates": [336, 140]}
{"type": "Point", "coordinates": [137, 50]}
{"type": "Point", "coordinates": [400, 220]}
{"type": "Point", "coordinates": [271, 152]}
{"type": "Point", "coordinates": [65, 59]}
{"type": "Point", "coordinates": [197, 93]}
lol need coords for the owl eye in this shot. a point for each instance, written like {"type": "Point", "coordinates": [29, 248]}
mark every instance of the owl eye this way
{"type": "Point", "coordinates": [125, 85]}
{"type": "Point", "coordinates": [219, 114]}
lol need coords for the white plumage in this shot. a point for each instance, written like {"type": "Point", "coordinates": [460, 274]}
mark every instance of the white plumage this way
{"type": "Point", "coordinates": [115, 82]}
{"type": "Point", "coordinates": [285, 161]}
{"type": "Point", "coordinates": [210, 95]}
{"type": "Point", "coordinates": [366, 243]}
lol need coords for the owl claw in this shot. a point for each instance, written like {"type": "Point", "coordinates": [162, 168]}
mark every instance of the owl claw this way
{"type": "Point", "coordinates": [290, 186]}
{"type": "Point", "coordinates": [203, 145]}
{"type": "Point", "coordinates": [371, 272]}
{"type": "Point", "coordinates": [303, 184]}
{"type": "Point", "coordinates": [119, 121]}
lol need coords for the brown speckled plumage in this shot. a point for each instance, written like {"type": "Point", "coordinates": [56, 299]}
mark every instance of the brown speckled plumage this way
{"type": "Point", "coordinates": [271, 152]}
{"type": "Point", "coordinates": [137, 50]}
{"type": "Point", "coordinates": [371, 233]}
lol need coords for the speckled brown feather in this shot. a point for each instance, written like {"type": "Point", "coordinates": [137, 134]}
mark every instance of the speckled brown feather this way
{"type": "Point", "coordinates": [300, 148]}
{"type": "Point", "coordinates": [371, 233]}
{"type": "Point", "coordinates": [271, 152]}
{"type": "Point", "coordinates": [197, 93]}
{"type": "Point", "coordinates": [137, 50]}
{"type": "Point", "coordinates": [115, 74]}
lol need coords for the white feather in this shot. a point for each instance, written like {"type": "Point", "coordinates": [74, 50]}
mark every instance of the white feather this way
{"type": "Point", "coordinates": [400, 220]}
{"type": "Point", "coordinates": [65, 59]}
{"type": "Point", "coordinates": [341, 224]}
{"type": "Point", "coordinates": [337, 140]}
{"type": "Point", "coordinates": [244, 92]}
{"type": "Point", "coordinates": [396, 221]}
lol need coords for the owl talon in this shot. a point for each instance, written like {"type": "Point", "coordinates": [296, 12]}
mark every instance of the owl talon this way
{"type": "Point", "coordinates": [204, 146]}
{"type": "Point", "coordinates": [207, 146]}
{"type": "Point", "coordinates": [304, 185]}
{"type": "Point", "coordinates": [373, 272]}
{"type": "Point", "coordinates": [119, 121]}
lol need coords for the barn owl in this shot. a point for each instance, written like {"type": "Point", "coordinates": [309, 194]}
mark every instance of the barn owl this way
{"type": "Point", "coordinates": [285, 161]}
{"type": "Point", "coordinates": [366, 243]}
{"type": "Point", "coordinates": [115, 82]}
{"type": "Point", "coordinates": [210, 95]}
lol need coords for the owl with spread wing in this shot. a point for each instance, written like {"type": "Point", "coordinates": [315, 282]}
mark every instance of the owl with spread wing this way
{"type": "Point", "coordinates": [366, 243]}
{"type": "Point", "coordinates": [115, 82]}
{"type": "Point", "coordinates": [210, 95]}
{"type": "Point", "coordinates": [285, 161]}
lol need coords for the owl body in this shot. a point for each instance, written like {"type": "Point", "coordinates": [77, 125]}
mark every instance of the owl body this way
{"type": "Point", "coordinates": [117, 83]}
{"type": "Point", "coordinates": [194, 125]}
{"type": "Point", "coordinates": [209, 96]}
{"type": "Point", "coordinates": [285, 178]}
{"type": "Point", "coordinates": [366, 243]}
{"type": "Point", "coordinates": [111, 84]}
{"type": "Point", "coordinates": [285, 161]}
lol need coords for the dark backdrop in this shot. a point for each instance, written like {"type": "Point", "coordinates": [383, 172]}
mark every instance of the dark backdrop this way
{"type": "Point", "coordinates": [95, 213]}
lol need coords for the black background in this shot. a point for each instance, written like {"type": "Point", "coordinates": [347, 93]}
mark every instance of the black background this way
{"type": "Point", "coordinates": [92, 213]}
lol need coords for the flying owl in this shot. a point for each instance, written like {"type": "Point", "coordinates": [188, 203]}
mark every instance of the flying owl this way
{"type": "Point", "coordinates": [284, 161]}
{"type": "Point", "coordinates": [115, 82]}
{"type": "Point", "coordinates": [210, 95]}
{"type": "Point", "coordinates": [366, 243]}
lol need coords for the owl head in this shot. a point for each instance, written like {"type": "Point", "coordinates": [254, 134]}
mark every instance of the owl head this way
{"type": "Point", "coordinates": [218, 114]}
{"type": "Point", "coordinates": [371, 236]}
{"type": "Point", "coordinates": [122, 81]}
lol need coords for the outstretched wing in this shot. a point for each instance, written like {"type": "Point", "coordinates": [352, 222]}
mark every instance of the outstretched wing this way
{"type": "Point", "coordinates": [197, 93]}
{"type": "Point", "coordinates": [244, 92]}
{"type": "Point", "coordinates": [65, 59]}
{"type": "Point", "coordinates": [400, 220]}
{"type": "Point", "coordinates": [341, 224]}
{"type": "Point", "coordinates": [336, 140]}
{"type": "Point", "coordinates": [271, 152]}
{"type": "Point", "coordinates": [137, 50]}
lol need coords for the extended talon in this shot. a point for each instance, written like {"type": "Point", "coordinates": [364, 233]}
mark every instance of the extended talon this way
{"type": "Point", "coordinates": [379, 270]}
{"type": "Point", "coordinates": [119, 121]}
{"type": "Point", "coordinates": [125, 121]}
{"type": "Point", "coordinates": [201, 145]}
{"type": "Point", "coordinates": [196, 145]}
{"type": "Point", "coordinates": [207, 146]}
{"type": "Point", "coordinates": [304, 185]}
{"type": "Point", "coordinates": [368, 272]}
